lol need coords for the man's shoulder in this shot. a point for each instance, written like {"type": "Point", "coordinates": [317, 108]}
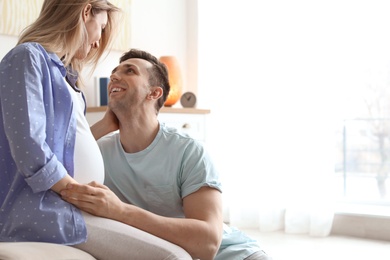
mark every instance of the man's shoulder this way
{"type": "Point", "coordinates": [108, 139]}
{"type": "Point", "coordinates": [175, 132]}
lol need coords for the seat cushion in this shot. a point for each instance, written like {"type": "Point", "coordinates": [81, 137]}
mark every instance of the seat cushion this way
{"type": "Point", "coordinates": [40, 251]}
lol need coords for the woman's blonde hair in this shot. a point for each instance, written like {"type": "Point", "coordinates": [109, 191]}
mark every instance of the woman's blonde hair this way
{"type": "Point", "coordinates": [60, 29]}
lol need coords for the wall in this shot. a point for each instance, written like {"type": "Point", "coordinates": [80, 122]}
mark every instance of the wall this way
{"type": "Point", "coordinates": [165, 27]}
{"type": "Point", "coordinates": [280, 77]}
{"type": "Point", "coordinates": [7, 42]}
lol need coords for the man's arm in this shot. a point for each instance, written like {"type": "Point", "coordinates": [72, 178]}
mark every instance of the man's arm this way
{"type": "Point", "coordinates": [199, 233]}
{"type": "Point", "coordinates": [107, 124]}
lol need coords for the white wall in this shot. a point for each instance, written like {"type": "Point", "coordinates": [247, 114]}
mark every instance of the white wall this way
{"type": "Point", "coordinates": [7, 42]}
{"type": "Point", "coordinates": [279, 77]}
{"type": "Point", "coordinates": [161, 27]}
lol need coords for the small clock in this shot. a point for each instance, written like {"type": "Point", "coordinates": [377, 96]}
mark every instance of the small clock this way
{"type": "Point", "coordinates": [188, 99]}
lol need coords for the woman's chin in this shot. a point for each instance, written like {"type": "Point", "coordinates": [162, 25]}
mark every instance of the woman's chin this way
{"type": "Point", "coordinates": [81, 55]}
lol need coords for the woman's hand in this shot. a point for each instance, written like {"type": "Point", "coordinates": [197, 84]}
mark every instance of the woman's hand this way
{"type": "Point", "coordinates": [61, 184]}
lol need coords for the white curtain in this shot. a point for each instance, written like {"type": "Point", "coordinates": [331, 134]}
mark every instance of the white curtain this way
{"type": "Point", "coordinates": [279, 76]}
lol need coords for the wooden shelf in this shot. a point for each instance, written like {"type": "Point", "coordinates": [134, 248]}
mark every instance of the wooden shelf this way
{"type": "Point", "coordinates": [162, 110]}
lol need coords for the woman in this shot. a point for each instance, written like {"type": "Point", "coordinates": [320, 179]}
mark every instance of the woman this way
{"type": "Point", "coordinates": [41, 123]}
{"type": "Point", "coordinates": [45, 140]}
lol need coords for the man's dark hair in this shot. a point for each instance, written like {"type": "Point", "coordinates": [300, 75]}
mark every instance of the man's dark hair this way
{"type": "Point", "coordinates": [158, 73]}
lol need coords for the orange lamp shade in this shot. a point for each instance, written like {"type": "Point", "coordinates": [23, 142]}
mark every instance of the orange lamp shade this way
{"type": "Point", "coordinates": [175, 79]}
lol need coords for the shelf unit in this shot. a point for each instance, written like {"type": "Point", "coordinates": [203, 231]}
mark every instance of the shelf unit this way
{"type": "Point", "coordinates": [192, 121]}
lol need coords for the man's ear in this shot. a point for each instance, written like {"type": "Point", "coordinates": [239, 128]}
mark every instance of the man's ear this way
{"type": "Point", "coordinates": [86, 12]}
{"type": "Point", "coordinates": [155, 93]}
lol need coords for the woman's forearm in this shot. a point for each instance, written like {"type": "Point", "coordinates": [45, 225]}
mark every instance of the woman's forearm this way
{"type": "Point", "coordinates": [61, 184]}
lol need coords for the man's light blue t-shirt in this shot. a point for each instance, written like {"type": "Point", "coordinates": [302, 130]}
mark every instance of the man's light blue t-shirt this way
{"type": "Point", "coordinates": [159, 177]}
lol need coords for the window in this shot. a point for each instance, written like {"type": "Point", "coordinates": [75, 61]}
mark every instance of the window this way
{"type": "Point", "coordinates": [363, 160]}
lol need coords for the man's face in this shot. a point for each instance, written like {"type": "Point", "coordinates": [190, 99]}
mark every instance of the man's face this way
{"type": "Point", "coordinates": [129, 82]}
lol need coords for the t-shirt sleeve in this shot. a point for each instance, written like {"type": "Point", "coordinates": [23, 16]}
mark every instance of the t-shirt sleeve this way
{"type": "Point", "coordinates": [198, 170]}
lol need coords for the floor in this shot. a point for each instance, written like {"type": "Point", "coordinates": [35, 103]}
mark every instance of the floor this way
{"type": "Point", "coordinates": [283, 246]}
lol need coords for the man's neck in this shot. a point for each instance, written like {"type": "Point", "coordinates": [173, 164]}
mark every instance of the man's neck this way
{"type": "Point", "coordinates": [137, 132]}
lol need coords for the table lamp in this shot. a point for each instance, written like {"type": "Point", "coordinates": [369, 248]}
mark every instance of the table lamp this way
{"type": "Point", "coordinates": [175, 79]}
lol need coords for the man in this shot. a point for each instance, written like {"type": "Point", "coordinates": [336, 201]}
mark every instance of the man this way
{"type": "Point", "coordinates": [158, 180]}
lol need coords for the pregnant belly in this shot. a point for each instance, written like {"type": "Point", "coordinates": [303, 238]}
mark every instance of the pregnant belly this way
{"type": "Point", "coordinates": [89, 164]}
